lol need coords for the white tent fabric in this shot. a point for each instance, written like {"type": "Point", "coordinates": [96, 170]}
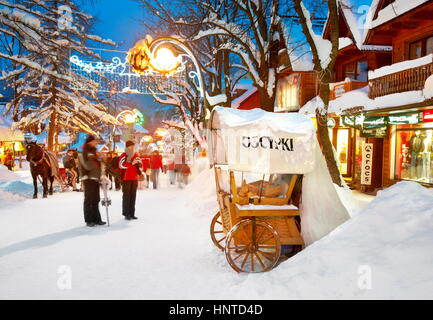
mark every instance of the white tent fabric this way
{"type": "Point", "coordinates": [321, 210]}
{"type": "Point", "coordinates": [260, 141]}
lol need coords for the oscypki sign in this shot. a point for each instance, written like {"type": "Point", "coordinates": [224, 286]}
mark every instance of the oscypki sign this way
{"type": "Point", "coordinates": [367, 163]}
{"type": "Point", "coordinates": [266, 142]}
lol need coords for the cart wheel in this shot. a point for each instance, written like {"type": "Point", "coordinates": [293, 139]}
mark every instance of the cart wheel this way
{"type": "Point", "coordinates": [216, 232]}
{"type": "Point", "coordinates": [252, 246]}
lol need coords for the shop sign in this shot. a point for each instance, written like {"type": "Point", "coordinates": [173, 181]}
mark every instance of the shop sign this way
{"type": "Point", "coordinates": [375, 121]}
{"type": "Point", "coordinates": [427, 116]}
{"type": "Point", "coordinates": [331, 123]}
{"type": "Point", "coordinates": [405, 118]}
{"type": "Point", "coordinates": [378, 132]}
{"type": "Point", "coordinates": [352, 121]}
{"type": "Point", "coordinates": [339, 90]}
{"type": "Point", "coordinates": [367, 163]}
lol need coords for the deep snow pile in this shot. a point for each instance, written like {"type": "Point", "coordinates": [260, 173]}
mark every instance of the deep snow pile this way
{"type": "Point", "coordinates": [391, 238]}
{"type": "Point", "coordinates": [12, 188]}
{"type": "Point", "coordinates": [7, 175]}
{"type": "Point", "coordinates": [167, 253]}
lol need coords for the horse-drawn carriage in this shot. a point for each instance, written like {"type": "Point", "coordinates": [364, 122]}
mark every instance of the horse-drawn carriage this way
{"type": "Point", "coordinates": [260, 160]}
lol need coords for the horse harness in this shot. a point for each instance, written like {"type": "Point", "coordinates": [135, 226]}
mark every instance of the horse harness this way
{"type": "Point", "coordinates": [40, 161]}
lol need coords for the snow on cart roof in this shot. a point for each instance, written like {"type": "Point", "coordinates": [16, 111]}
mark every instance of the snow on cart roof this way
{"type": "Point", "coordinates": [286, 122]}
{"type": "Point", "coordinates": [262, 142]}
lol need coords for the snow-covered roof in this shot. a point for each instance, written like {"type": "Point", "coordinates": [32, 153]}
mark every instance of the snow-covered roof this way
{"type": "Point", "coordinates": [140, 129]}
{"type": "Point", "coordinates": [301, 64]}
{"type": "Point", "coordinates": [250, 90]}
{"type": "Point", "coordinates": [355, 28]}
{"type": "Point", "coordinates": [216, 100]}
{"type": "Point", "coordinates": [359, 98]}
{"type": "Point", "coordinates": [390, 12]}
{"type": "Point", "coordinates": [358, 30]}
{"type": "Point", "coordinates": [7, 134]}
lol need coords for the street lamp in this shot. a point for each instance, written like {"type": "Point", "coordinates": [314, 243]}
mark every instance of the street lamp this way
{"type": "Point", "coordinates": [124, 117]}
{"type": "Point", "coordinates": [152, 55]}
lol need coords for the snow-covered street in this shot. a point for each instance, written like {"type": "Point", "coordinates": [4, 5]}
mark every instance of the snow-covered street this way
{"type": "Point", "coordinates": [167, 253]}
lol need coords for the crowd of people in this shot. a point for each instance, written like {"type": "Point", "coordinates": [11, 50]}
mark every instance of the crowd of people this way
{"type": "Point", "coordinates": [128, 172]}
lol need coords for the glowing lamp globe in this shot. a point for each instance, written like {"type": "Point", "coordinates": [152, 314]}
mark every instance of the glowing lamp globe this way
{"type": "Point", "coordinates": [165, 61]}
{"type": "Point", "coordinates": [161, 132]}
{"type": "Point", "coordinates": [129, 118]}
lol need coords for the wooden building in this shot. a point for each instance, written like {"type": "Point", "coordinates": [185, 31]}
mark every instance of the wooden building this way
{"type": "Point", "coordinates": [393, 56]}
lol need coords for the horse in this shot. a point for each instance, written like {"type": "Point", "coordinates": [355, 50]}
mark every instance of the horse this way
{"type": "Point", "coordinates": [40, 165]}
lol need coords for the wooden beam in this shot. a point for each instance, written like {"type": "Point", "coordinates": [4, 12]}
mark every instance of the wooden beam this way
{"type": "Point", "coordinates": [405, 25]}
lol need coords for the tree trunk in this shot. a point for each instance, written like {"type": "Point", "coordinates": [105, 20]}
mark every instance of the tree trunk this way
{"type": "Point", "coordinates": [266, 102]}
{"type": "Point", "coordinates": [323, 135]}
{"type": "Point", "coordinates": [52, 129]}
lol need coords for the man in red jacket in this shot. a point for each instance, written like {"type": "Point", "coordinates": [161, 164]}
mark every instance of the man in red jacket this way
{"type": "Point", "coordinates": [130, 165]}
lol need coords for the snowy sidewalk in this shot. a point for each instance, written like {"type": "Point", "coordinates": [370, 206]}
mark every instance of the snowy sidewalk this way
{"type": "Point", "coordinates": [168, 254]}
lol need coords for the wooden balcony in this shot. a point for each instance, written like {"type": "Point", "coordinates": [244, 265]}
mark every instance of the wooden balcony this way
{"type": "Point", "coordinates": [412, 79]}
{"type": "Point", "coordinates": [340, 88]}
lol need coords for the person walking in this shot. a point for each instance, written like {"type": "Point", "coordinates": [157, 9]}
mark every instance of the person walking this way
{"type": "Point", "coordinates": [155, 166]}
{"type": "Point", "coordinates": [90, 170]}
{"type": "Point", "coordinates": [179, 161]}
{"type": "Point", "coordinates": [186, 171]}
{"type": "Point", "coordinates": [170, 168]}
{"type": "Point", "coordinates": [130, 165]}
{"type": "Point", "coordinates": [9, 161]}
{"type": "Point", "coordinates": [148, 172]}
{"type": "Point", "coordinates": [70, 165]}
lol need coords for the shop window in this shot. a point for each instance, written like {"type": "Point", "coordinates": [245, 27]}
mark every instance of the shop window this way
{"type": "Point", "coordinates": [343, 150]}
{"type": "Point", "coordinates": [421, 48]}
{"type": "Point", "coordinates": [287, 97]}
{"type": "Point", "coordinates": [356, 70]}
{"type": "Point", "coordinates": [414, 153]}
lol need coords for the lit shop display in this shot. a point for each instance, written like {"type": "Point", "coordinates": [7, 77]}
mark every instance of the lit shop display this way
{"type": "Point", "coordinates": [414, 150]}
{"type": "Point", "coordinates": [287, 98]}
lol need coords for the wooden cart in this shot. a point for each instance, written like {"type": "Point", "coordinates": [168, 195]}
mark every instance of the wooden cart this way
{"type": "Point", "coordinates": [259, 160]}
{"type": "Point", "coordinates": [251, 228]}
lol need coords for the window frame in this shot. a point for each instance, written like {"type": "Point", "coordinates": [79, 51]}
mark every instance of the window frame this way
{"type": "Point", "coordinates": [423, 47]}
{"type": "Point", "coordinates": [356, 70]}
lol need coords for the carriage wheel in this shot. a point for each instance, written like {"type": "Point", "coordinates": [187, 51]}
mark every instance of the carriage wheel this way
{"type": "Point", "coordinates": [252, 246]}
{"type": "Point", "coordinates": [216, 232]}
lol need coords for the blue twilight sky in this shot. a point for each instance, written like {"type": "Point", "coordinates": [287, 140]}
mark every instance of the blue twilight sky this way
{"type": "Point", "coordinates": [119, 20]}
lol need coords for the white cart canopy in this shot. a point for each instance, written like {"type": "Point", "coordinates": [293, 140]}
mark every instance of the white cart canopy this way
{"type": "Point", "coordinates": [260, 141]}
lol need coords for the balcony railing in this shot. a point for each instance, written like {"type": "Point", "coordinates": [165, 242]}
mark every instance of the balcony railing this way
{"type": "Point", "coordinates": [340, 88]}
{"type": "Point", "coordinates": [411, 79]}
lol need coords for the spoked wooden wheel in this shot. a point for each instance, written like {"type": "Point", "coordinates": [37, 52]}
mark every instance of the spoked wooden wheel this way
{"type": "Point", "coordinates": [252, 246]}
{"type": "Point", "coordinates": [216, 232]}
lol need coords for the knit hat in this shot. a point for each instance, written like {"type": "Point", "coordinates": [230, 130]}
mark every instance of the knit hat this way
{"type": "Point", "coordinates": [129, 143]}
